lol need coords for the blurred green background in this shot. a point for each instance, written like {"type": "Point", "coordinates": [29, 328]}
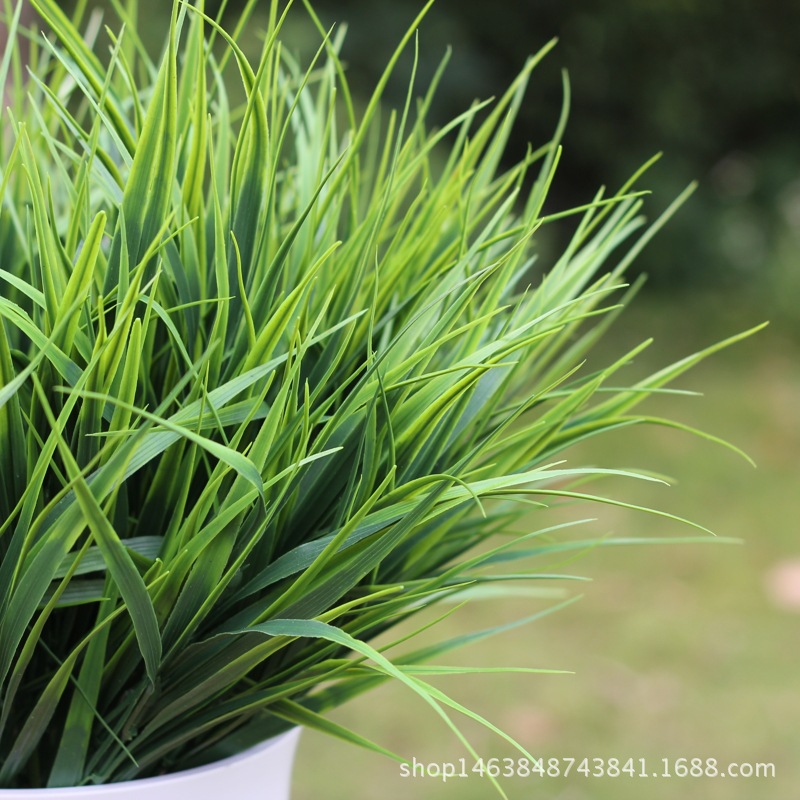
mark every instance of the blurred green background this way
{"type": "Point", "coordinates": [678, 650]}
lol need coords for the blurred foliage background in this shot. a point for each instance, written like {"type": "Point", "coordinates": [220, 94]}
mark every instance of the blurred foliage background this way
{"type": "Point", "coordinates": [679, 650]}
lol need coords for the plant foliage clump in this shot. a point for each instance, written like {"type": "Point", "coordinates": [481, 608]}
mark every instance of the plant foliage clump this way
{"type": "Point", "coordinates": [267, 373]}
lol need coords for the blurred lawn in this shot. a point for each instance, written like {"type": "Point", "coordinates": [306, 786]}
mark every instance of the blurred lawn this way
{"type": "Point", "coordinates": [678, 650]}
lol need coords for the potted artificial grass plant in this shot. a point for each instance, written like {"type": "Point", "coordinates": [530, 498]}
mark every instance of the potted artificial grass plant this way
{"type": "Point", "coordinates": [267, 374]}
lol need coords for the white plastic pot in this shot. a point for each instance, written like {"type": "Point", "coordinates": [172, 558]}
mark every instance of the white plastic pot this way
{"type": "Point", "coordinates": [261, 773]}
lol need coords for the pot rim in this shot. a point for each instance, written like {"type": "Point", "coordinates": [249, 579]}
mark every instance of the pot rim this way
{"type": "Point", "coordinates": [110, 790]}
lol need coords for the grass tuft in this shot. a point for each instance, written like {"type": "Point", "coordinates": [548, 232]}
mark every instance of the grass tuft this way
{"type": "Point", "coordinates": [269, 376]}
